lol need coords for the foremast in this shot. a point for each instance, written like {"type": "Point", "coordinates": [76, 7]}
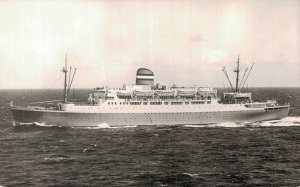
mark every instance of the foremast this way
{"type": "Point", "coordinates": [65, 71]}
{"type": "Point", "coordinates": [67, 86]}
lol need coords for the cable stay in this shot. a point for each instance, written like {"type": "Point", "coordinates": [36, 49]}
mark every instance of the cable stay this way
{"type": "Point", "coordinates": [247, 76]}
{"type": "Point", "coordinates": [225, 73]}
{"type": "Point", "coordinates": [245, 71]}
{"type": "Point", "coordinates": [70, 85]}
{"type": "Point", "coordinates": [70, 72]}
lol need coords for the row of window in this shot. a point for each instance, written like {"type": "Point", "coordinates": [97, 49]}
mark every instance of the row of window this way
{"type": "Point", "coordinates": [159, 103]}
{"type": "Point", "coordinates": [279, 108]}
{"type": "Point", "coordinates": [156, 103]}
{"type": "Point", "coordinates": [170, 118]}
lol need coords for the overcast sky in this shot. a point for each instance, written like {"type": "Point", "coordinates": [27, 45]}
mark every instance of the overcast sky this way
{"type": "Point", "coordinates": [182, 42]}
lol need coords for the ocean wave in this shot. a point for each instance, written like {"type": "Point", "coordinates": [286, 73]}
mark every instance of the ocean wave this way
{"type": "Point", "coordinates": [285, 122]}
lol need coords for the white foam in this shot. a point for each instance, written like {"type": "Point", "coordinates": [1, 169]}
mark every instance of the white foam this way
{"type": "Point", "coordinates": [100, 126]}
{"type": "Point", "coordinates": [225, 124]}
{"type": "Point", "coordinates": [294, 119]}
{"type": "Point", "coordinates": [57, 159]}
{"type": "Point", "coordinates": [228, 124]}
{"type": "Point", "coordinates": [107, 126]}
{"type": "Point", "coordinates": [285, 122]}
{"type": "Point", "coordinates": [195, 126]}
{"type": "Point", "coordinates": [42, 124]}
{"type": "Point", "coordinates": [34, 123]}
{"type": "Point", "coordinates": [103, 125]}
{"type": "Point", "coordinates": [191, 175]}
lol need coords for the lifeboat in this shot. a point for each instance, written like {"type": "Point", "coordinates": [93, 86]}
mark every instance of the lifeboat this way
{"type": "Point", "coordinates": [186, 93]}
{"type": "Point", "coordinates": [143, 93]}
{"type": "Point", "coordinates": [162, 93]}
{"type": "Point", "coordinates": [124, 94]}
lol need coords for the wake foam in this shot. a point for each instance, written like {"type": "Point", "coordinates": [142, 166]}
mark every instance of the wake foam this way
{"type": "Point", "coordinates": [43, 125]}
{"type": "Point", "coordinates": [58, 159]}
{"type": "Point", "coordinates": [33, 124]}
{"type": "Point", "coordinates": [107, 126]}
{"type": "Point", "coordinates": [285, 122]}
{"type": "Point", "coordinates": [100, 126]}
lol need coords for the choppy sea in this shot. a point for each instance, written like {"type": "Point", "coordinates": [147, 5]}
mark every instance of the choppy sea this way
{"type": "Point", "coordinates": [225, 154]}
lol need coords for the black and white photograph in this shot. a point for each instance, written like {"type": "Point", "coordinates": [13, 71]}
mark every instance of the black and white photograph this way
{"type": "Point", "coordinates": [174, 93]}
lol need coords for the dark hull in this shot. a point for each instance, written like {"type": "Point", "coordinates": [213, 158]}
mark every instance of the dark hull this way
{"type": "Point", "coordinates": [62, 118]}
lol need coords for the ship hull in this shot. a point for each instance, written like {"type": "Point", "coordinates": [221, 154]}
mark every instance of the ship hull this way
{"type": "Point", "coordinates": [73, 119]}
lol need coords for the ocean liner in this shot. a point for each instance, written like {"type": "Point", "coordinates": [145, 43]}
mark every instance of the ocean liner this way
{"type": "Point", "coordinates": [146, 103]}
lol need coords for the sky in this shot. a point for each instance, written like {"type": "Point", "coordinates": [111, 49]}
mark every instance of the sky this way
{"type": "Point", "coordinates": [185, 42]}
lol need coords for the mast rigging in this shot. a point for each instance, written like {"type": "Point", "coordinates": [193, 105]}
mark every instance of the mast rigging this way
{"type": "Point", "coordinates": [68, 81]}
{"type": "Point", "coordinates": [225, 73]}
{"type": "Point", "coordinates": [248, 75]}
